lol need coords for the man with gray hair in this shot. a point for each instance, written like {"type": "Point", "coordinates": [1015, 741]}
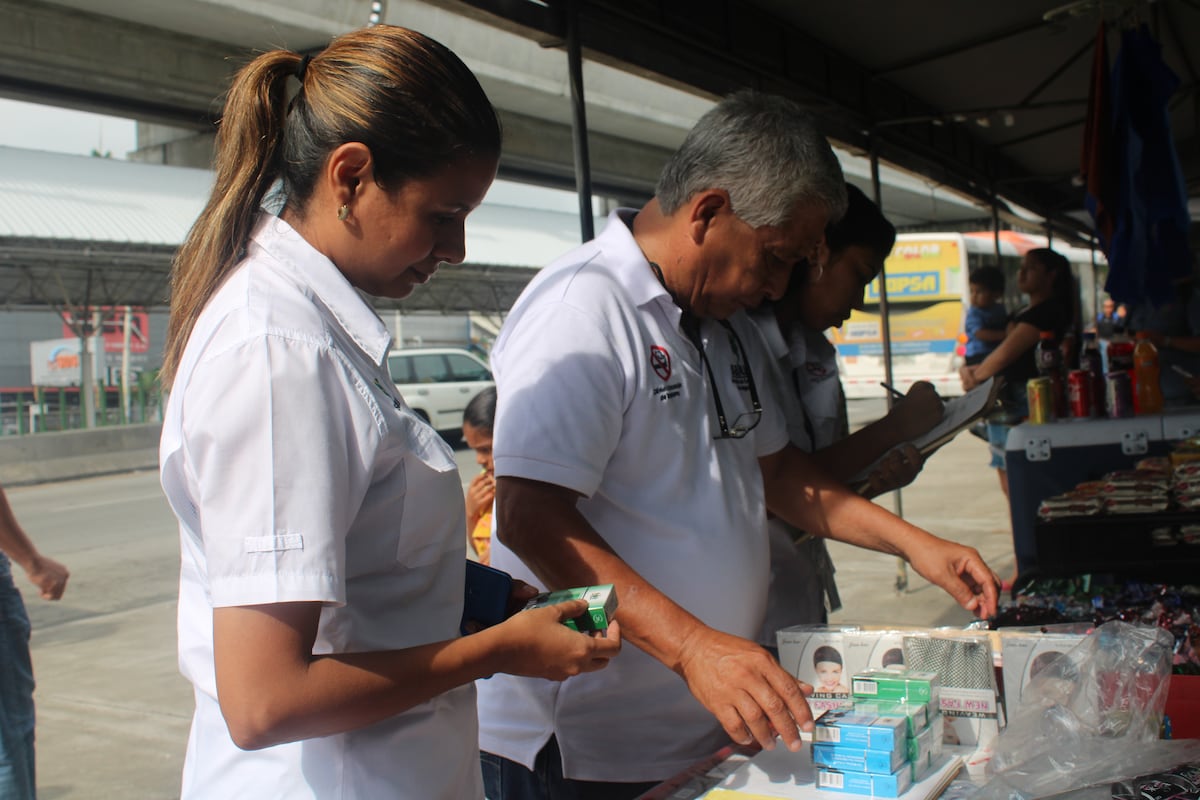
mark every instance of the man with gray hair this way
{"type": "Point", "coordinates": [632, 447]}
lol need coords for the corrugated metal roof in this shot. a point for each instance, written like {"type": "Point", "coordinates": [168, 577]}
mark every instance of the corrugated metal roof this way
{"type": "Point", "coordinates": [81, 199]}
{"type": "Point", "coordinates": [75, 229]}
{"type": "Point", "coordinates": [52, 196]}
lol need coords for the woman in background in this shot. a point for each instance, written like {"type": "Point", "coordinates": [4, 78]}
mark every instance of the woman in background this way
{"type": "Point", "coordinates": [1045, 276]}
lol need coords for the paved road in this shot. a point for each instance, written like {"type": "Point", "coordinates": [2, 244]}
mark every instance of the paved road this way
{"type": "Point", "coordinates": [114, 711]}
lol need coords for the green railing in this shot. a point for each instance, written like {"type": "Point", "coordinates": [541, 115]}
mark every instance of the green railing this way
{"type": "Point", "coordinates": [25, 410]}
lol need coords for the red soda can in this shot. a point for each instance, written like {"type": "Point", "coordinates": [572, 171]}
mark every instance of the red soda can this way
{"type": "Point", "coordinates": [1079, 393]}
{"type": "Point", "coordinates": [1119, 393]}
{"type": "Point", "coordinates": [1040, 393]}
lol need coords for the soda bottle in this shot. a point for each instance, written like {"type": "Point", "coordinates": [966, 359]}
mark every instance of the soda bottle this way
{"type": "Point", "coordinates": [1120, 352]}
{"type": "Point", "coordinates": [1050, 365]}
{"type": "Point", "coordinates": [1147, 391]}
{"type": "Point", "coordinates": [1091, 362]}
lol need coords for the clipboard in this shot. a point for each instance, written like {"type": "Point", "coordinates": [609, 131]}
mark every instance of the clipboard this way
{"type": "Point", "coordinates": [957, 415]}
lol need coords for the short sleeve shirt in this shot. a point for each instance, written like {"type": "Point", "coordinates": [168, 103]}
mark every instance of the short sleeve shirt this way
{"type": "Point", "coordinates": [602, 393]}
{"type": "Point", "coordinates": [1045, 316]}
{"type": "Point", "coordinates": [299, 475]}
{"type": "Point", "coordinates": [992, 318]}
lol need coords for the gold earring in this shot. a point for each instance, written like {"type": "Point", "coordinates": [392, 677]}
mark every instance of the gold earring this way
{"type": "Point", "coordinates": [343, 213]}
{"type": "Point", "coordinates": [820, 272]}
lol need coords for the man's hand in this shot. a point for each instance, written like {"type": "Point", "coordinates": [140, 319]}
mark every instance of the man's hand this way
{"type": "Point", "coordinates": [745, 689]}
{"type": "Point", "coordinates": [49, 576]}
{"type": "Point", "coordinates": [917, 411]}
{"type": "Point", "coordinates": [961, 571]}
{"type": "Point", "coordinates": [969, 380]}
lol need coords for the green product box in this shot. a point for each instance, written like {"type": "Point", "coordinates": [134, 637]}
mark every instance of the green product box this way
{"type": "Point", "coordinates": [916, 715]}
{"type": "Point", "coordinates": [920, 747]}
{"type": "Point", "coordinates": [602, 604]}
{"type": "Point", "coordinates": [897, 686]}
{"type": "Point", "coordinates": [918, 769]}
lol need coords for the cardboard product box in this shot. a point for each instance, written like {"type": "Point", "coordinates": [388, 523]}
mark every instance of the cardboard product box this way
{"type": "Point", "coordinates": [876, 784]}
{"type": "Point", "coordinates": [1027, 654]}
{"type": "Point", "coordinates": [919, 768]}
{"type": "Point", "coordinates": [897, 686]}
{"type": "Point", "coordinates": [874, 649]}
{"type": "Point", "coordinates": [856, 759]}
{"type": "Point", "coordinates": [1183, 706]}
{"type": "Point", "coordinates": [966, 665]}
{"type": "Point", "coordinates": [815, 654]}
{"type": "Point", "coordinates": [920, 746]}
{"type": "Point", "coordinates": [937, 723]}
{"type": "Point", "coordinates": [602, 604]}
{"type": "Point", "coordinates": [915, 715]}
{"type": "Point", "coordinates": [846, 728]}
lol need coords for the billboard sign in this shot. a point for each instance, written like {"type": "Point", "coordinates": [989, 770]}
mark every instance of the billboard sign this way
{"type": "Point", "coordinates": [112, 328]}
{"type": "Point", "coordinates": [57, 362]}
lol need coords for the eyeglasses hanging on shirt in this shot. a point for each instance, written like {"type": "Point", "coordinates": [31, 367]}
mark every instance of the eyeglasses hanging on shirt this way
{"type": "Point", "coordinates": [690, 324]}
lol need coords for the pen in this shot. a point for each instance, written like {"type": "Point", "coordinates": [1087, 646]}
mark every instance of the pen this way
{"type": "Point", "coordinates": [895, 392]}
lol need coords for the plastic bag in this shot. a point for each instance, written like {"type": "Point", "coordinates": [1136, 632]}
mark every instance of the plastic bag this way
{"type": "Point", "coordinates": [1091, 716]}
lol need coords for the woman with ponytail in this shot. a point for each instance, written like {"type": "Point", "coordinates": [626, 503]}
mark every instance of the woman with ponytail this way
{"type": "Point", "coordinates": [320, 519]}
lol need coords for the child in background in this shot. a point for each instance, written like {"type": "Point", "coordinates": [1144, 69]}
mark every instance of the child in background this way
{"type": "Point", "coordinates": [478, 418]}
{"type": "Point", "coordinates": [986, 318]}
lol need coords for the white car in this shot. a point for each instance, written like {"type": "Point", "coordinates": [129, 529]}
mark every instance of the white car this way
{"type": "Point", "coordinates": [438, 382]}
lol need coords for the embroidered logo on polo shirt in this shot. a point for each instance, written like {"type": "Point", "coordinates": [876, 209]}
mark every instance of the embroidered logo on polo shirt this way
{"type": "Point", "coordinates": [660, 362]}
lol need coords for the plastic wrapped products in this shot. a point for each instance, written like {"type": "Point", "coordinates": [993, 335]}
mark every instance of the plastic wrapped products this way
{"type": "Point", "coordinates": [1091, 717]}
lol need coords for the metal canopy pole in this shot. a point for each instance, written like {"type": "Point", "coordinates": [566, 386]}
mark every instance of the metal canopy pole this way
{"type": "Point", "coordinates": [885, 327]}
{"type": "Point", "coordinates": [583, 170]}
{"type": "Point", "coordinates": [885, 336]}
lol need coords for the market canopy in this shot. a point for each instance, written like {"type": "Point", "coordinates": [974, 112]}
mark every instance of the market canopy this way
{"type": "Point", "coordinates": [990, 99]}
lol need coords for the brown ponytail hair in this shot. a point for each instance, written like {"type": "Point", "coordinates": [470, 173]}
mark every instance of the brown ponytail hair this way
{"type": "Point", "coordinates": [409, 99]}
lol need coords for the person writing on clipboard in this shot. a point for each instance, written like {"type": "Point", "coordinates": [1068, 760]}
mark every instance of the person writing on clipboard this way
{"type": "Point", "coordinates": [804, 378]}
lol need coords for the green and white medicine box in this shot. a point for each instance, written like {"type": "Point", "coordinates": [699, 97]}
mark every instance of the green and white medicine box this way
{"type": "Point", "coordinates": [601, 600]}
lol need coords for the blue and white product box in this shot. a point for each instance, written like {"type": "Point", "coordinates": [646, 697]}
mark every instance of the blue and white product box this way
{"type": "Point", "coordinates": [891, 784]}
{"type": "Point", "coordinates": [897, 686]}
{"type": "Point", "coordinates": [857, 759]}
{"type": "Point", "coordinates": [815, 654]}
{"type": "Point", "coordinates": [846, 728]}
{"type": "Point", "coordinates": [916, 715]}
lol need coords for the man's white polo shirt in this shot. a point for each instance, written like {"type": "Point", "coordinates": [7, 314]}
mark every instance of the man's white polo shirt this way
{"type": "Point", "coordinates": [600, 392]}
{"type": "Point", "coordinates": [297, 474]}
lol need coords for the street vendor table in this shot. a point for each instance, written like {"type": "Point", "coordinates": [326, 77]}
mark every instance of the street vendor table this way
{"type": "Point", "coordinates": [1045, 460]}
{"type": "Point", "coordinates": [1146, 547]}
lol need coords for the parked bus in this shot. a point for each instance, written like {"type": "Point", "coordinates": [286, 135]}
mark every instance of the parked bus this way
{"type": "Point", "coordinates": [928, 294]}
